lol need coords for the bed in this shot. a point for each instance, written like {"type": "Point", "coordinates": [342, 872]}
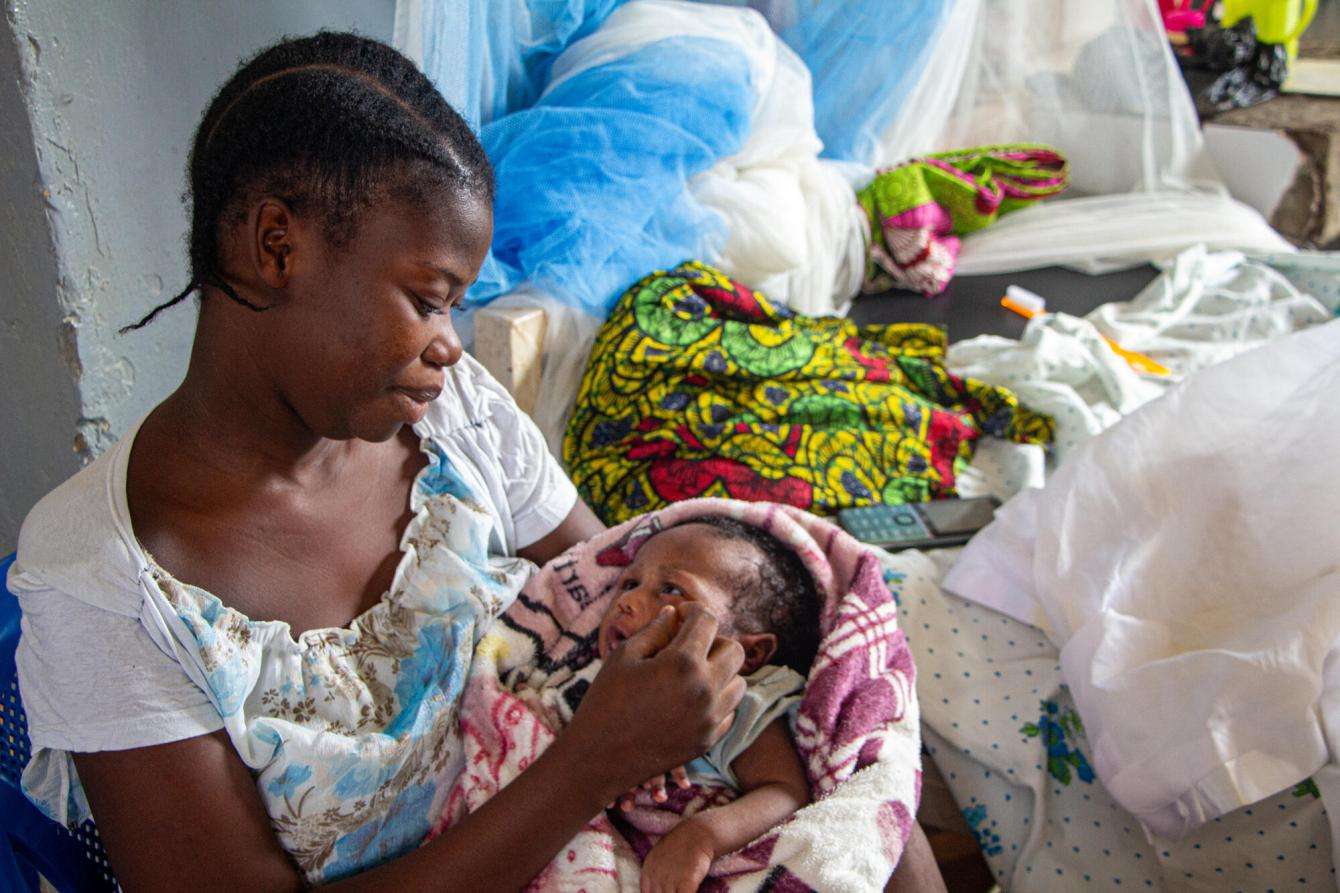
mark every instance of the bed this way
{"type": "Point", "coordinates": [1010, 792]}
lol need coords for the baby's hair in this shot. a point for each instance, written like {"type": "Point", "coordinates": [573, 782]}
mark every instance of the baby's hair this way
{"type": "Point", "coordinates": [329, 123]}
{"type": "Point", "coordinates": [779, 598]}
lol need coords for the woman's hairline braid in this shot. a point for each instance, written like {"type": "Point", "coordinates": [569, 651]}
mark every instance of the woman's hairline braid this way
{"type": "Point", "coordinates": [344, 70]}
{"type": "Point", "coordinates": [363, 76]}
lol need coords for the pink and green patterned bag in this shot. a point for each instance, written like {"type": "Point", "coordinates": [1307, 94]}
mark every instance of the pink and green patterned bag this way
{"type": "Point", "coordinates": [918, 209]}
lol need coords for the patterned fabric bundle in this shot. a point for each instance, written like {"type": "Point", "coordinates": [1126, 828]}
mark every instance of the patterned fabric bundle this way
{"type": "Point", "coordinates": [856, 731]}
{"type": "Point", "coordinates": [917, 210]}
{"type": "Point", "coordinates": [698, 386]}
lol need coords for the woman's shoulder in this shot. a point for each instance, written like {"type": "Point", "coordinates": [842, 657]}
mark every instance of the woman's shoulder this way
{"type": "Point", "coordinates": [471, 398]}
{"type": "Point", "coordinates": [75, 539]}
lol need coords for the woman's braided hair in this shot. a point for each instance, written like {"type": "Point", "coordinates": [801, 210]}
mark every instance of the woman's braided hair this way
{"type": "Point", "coordinates": [329, 123]}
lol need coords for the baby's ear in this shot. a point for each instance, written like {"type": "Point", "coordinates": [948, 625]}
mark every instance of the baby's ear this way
{"type": "Point", "coordinates": [758, 649]}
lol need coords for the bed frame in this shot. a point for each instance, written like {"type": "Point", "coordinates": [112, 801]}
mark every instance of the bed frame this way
{"type": "Point", "coordinates": [509, 342]}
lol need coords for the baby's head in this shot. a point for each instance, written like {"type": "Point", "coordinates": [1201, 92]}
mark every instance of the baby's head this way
{"type": "Point", "coordinates": [758, 589]}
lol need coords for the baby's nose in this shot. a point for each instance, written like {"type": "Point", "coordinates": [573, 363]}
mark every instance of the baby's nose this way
{"type": "Point", "coordinates": [637, 606]}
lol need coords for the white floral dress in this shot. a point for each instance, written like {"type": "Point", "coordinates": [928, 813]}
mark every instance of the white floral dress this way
{"type": "Point", "coordinates": [351, 732]}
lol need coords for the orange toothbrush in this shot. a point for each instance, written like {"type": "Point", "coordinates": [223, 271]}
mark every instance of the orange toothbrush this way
{"type": "Point", "coordinates": [1028, 305]}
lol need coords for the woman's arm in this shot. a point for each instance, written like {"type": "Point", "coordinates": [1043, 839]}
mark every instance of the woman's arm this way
{"type": "Point", "coordinates": [200, 818]}
{"type": "Point", "coordinates": [579, 526]}
{"type": "Point", "coordinates": [185, 813]}
{"type": "Point", "coordinates": [190, 810]}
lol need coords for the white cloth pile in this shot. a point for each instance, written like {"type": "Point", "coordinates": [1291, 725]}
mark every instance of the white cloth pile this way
{"type": "Point", "coordinates": [1206, 307]}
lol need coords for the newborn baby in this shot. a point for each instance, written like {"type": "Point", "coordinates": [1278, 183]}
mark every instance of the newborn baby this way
{"type": "Point", "coordinates": [765, 599]}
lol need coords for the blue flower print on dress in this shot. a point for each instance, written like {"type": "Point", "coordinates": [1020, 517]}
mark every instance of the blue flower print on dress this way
{"type": "Point", "coordinates": [440, 477]}
{"type": "Point", "coordinates": [394, 832]}
{"type": "Point", "coordinates": [1052, 728]}
{"type": "Point", "coordinates": [223, 637]}
{"type": "Point", "coordinates": [355, 775]}
{"type": "Point", "coordinates": [434, 673]}
{"type": "Point", "coordinates": [286, 785]}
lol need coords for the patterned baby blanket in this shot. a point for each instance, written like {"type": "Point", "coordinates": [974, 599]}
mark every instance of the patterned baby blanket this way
{"type": "Point", "coordinates": [856, 730]}
{"type": "Point", "coordinates": [699, 386]}
{"type": "Point", "coordinates": [917, 210]}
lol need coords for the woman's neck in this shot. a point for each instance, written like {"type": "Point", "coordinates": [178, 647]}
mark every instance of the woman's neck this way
{"type": "Point", "coordinates": [231, 419]}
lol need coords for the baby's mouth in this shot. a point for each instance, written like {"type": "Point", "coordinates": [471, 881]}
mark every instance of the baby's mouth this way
{"type": "Point", "coordinates": [614, 637]}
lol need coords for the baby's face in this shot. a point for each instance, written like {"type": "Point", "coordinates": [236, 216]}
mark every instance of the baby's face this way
{"type": "Point", "coordinates": [691, 563]}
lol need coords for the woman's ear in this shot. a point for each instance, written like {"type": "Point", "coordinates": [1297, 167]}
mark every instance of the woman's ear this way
{"type": "Point", "coordinates": [273, 242]}
{"type": "Point", "coordinates": [758, 649]}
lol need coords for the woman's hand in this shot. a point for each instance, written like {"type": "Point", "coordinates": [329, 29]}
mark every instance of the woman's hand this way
{"type": "Point", "coordinates": [661, 699]}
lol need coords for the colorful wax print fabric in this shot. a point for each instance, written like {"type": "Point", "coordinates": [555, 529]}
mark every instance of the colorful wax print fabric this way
{"type": "Point", "coordinates": [698, 386]}
{"type": "Point", "coordinates": [918, 209]}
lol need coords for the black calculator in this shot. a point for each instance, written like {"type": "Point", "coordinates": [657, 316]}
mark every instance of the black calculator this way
{"type": "Point", "coordinates": [919, 525]}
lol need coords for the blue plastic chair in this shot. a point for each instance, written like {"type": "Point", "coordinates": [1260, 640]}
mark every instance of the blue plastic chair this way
{"type": "Point", "coordinates": [73, 861]}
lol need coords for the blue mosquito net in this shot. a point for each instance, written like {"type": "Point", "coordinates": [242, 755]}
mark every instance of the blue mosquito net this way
{"type": "Point", "coordinates": [592, 175]}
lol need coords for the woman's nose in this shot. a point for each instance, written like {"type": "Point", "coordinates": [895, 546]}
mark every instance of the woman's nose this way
{"type": "Point", "coordinates": [445, 349]}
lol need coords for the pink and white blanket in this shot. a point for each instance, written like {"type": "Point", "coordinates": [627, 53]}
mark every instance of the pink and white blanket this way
{"type": "Point", "coordinates": [857, 729]}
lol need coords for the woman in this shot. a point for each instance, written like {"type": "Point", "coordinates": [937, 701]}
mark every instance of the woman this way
{"type": "Point", "coordinates": [246, 624]}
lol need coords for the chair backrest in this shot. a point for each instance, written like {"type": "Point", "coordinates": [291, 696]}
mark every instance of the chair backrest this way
{"type": "Point", "coordinates": [70, 859]}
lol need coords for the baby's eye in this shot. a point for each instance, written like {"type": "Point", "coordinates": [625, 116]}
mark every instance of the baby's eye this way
{"type": "Point", "coordinates": [628, 584]}
{"type": "Point", "coordinates": [672, 590]}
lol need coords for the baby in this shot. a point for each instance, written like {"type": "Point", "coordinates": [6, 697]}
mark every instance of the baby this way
{"type": "Point", "coordinates": [765, 599]}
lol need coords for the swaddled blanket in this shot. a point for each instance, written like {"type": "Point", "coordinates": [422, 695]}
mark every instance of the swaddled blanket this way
{"type": "Point", "coordinates": [856, 730]}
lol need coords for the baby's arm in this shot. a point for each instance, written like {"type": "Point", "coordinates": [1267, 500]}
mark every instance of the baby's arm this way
{"type": "Point", "coordinates": [772, 785]}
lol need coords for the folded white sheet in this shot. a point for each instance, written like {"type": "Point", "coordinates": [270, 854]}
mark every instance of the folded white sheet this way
{"type": "Point", "coordinates": [1186, 563]}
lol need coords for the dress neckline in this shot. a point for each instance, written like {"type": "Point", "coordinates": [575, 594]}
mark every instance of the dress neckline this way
{"type": "Point", "coordinates": [281, 629]}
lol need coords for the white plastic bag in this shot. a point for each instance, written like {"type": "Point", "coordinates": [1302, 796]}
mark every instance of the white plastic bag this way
{"type": "Point", "coordinates": [1184, 563]}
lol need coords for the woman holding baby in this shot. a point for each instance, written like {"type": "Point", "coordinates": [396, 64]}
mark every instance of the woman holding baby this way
{"type": "Point", "coordinates": [245, 625]}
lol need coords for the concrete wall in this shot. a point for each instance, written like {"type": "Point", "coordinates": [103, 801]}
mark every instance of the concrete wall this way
{"type": "Point", "coordinates": [97, 109]}
{"type": "Point", "coordinates": [39, 405]}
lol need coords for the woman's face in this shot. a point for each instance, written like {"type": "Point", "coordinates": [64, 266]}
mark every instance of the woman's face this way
{"type": "Point", "coordinates": [360, 343]}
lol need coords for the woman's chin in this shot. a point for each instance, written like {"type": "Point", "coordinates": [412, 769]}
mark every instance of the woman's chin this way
{"type": "Point", "coordinates": [374, 429]}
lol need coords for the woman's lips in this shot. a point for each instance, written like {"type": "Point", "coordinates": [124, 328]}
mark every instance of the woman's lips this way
{"type": "Point", "coordinates": [420, 395]}
{"type": "Point", "coordinates": [415, 402]}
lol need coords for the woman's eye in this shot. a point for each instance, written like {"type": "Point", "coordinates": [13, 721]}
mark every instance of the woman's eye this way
{"type": "Point", "coordinates": [426, 308]}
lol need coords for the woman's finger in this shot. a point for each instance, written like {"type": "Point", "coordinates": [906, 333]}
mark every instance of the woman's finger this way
{"type": "Point", "coordinates": [697, 629]}
{"type": "Point", "coordinates": [651, 638]}
{"type": "Point", "coordinates": [725, 657]}
{"type": "Point", "coordinates": [730, 698]}
{"type": "Point", "coordinates": [722, 728]}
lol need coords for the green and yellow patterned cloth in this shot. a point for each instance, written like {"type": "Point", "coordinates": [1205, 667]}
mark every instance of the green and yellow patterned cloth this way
{"type": "Point", "coordinates": [698, 386]}
{"type": "Point", "coordinates": [918, 209]}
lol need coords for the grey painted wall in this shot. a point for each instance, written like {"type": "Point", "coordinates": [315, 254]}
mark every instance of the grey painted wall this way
{"type": "Point", "coordinates": [38, 365]}
{"type": "Point", "coordinates": [97, 109]}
